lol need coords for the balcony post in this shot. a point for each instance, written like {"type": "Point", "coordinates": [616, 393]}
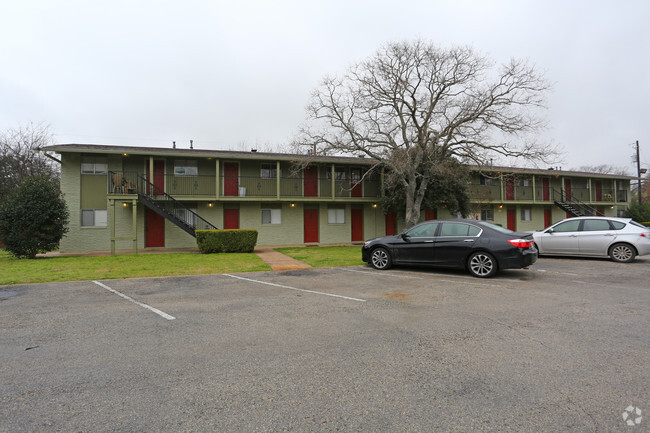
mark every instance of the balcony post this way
{"type": "Point", "coordinates": [134, 229]}
{"type": "Point", "coordinates": [333, 184]}
{"type": "Point", "coordinates": [217, 189]}
{"type": "Point", "coordinates": [382, 190]}
{"type": "Point", "coordinates": [534, 192]}
{"type": "Point", "coordinates": [111, 203]}
{"type": "Point", "coordinates": [615, 188]}
{"type": "Point", "coordinates": [277, 179]}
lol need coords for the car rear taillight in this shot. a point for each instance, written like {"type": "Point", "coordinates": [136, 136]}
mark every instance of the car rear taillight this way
{"type": "Point", "coordinates": [521, 243]}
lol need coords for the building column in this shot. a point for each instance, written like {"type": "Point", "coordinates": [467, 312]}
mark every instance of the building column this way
{"type": "Point", "coordinates": [134, 230]}
{"type": "Point", "coordinates": [277, 179]}
{"type": "Point", "coordinates": [111, 204]}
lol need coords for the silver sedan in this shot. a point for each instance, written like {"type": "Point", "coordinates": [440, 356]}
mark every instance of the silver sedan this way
{"type": "Point", "coordinates": [621, 239]}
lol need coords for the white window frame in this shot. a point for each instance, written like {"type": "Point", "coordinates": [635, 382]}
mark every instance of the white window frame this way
{"type": "Point", "coordinates": [336, 215]}
{"type": "Point", "coordinates": [94, 165]}
{"type": "Point", "coordinates": [273, 216]}
{"type": "Point", "coordinates": [483, 180]}
{"type": "Point", "coordinates": [186, 167]}
{"type": "Point", "coordinates": [526, 214]}
{"type": "Point", "coordinates": [268, 171]}
{"type": "Point", "coordinates": [99, 217]}
{"type": "Point", "coordinates": [339, 173]}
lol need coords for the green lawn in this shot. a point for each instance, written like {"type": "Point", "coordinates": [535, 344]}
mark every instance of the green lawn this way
{"type": "Point", "coordinates": [320, 257]}
{"type": "Point", "coordinates": [52, 269]}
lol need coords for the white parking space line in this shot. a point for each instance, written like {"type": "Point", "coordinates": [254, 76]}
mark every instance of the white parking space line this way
{"type": "Point", "coordinates": [389, 274]}
{"type": "Point", "coordinates": [294, 288]}
{"type": "Point", "coordinates": [128, 298]}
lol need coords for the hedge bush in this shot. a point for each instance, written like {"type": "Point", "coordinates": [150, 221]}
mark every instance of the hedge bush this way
{"type": "Point", "coordinates": [226, 241]}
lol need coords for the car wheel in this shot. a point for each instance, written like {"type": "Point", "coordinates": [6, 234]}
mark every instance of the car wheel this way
{"type": "Point", "coordinates": [380, 259]}
{"type": "Point", "coordinates": [482, 265]}
{"type": "Point", "coordinates": [622, 253]}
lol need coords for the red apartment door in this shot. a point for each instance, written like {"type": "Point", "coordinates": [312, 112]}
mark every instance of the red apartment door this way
{"type": "Point", "coordinates": [158, 177]}
{"type": "Point", "coordinates": [230, 219]}
{"type": "Point", "coordinates": [599, 191]}
{"type": "Point", "coordinates": [311, 181]}
{"type": "Point", "coordinates": [357, 187]}
{"type": "Point", "coordinates": [545, 189]}
{"type": "Point", "coordinates": [230, 178]}
{"type": "Point", "coordinates": [391, 224]}
{"type": "Point", "coordinates": [154, 229]}
{"type": "Point", "coordinates": [311, 225]}
{"type": "Point", "coordinates": [512, 219]}
{"type": "Point", "coordinates": [510, 188]}
{"type": "Point", "coordinates": [430, 214]}
{"type": "Point", "coordinates": [567, 188]}
{"type": "Point", "coordinates": [357, 225]}
{"type": "Point", "coordinates": [547, 217]}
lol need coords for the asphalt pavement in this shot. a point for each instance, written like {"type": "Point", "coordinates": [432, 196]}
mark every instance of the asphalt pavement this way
{"type": "Point", "coordinates": [562, 346]}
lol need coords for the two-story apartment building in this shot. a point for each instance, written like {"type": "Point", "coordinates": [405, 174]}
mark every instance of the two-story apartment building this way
{"type": "Point", "coordinates": [123, 197]}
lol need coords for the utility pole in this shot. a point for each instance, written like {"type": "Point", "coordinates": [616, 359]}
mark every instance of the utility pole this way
{"type": "Point", "coordinates": [638, 170]}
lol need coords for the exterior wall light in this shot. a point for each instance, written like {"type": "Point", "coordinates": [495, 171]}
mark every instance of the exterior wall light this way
{"type": "Point", "coordinates": [125, 204]}
{"type": "Point", "coordinates": [210, 204]}
{"type": "Point", "coordinates": [500, 206]}
{"type": "Point", "coordinates": [374, 205]}
{"type": "Point", "coordinates": [292, 204]}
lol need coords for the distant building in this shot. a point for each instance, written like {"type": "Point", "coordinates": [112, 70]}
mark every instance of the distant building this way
{"type": "Point", "coordinates": [138, 197]}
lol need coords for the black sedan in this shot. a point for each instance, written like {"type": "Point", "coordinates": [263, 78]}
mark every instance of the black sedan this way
{"type": "Point", "coordinates": [480, 247]}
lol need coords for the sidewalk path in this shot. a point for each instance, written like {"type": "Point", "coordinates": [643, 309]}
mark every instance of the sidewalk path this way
{"type": "Point", "coordinates": [279, 261]}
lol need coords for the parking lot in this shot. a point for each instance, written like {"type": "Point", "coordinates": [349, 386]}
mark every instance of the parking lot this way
{"type": "Point", "coordinates": [562, 346]}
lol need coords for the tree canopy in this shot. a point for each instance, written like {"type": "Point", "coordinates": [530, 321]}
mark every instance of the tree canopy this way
{"type": "Point", "coordinates": [20, 158]}
{"type": "Point", "coordinates": [33, 218]}
{"type": "Point", "coordinates": [412, 106]}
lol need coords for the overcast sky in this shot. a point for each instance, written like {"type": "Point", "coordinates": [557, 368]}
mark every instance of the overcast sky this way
{"type": "Point", "coordinates": [237, 74]}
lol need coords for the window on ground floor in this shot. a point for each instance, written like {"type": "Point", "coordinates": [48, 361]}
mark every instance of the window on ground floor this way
{"type": "Point", "coordinates": [94, 218]}
{"type": "Point", "coordinates": [487, 215]}
{"type": "Point", "coordinates": [525, 214]}
{"type": "Point", "coordinates": [271, 216]}
{"type": "Point", "coordinates": [336, 215]}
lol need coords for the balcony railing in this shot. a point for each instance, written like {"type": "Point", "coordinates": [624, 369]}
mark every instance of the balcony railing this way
{"type": "Point", "coordinates": [246, 186]}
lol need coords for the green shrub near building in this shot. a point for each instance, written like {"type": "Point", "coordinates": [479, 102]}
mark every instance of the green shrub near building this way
{"type": "Point", "coordinates": [226, 241]}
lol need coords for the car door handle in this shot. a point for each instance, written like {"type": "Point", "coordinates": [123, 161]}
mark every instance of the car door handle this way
{"type": "Point", "coordinates": [468, 240]}
{"type": "Point", "coordinates": [428, 242]}
{"type": "Point", "coordinates": [609, 234]}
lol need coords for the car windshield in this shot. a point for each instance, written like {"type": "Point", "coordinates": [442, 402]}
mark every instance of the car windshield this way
{"type": "Point", "coordinates": [495, 227]}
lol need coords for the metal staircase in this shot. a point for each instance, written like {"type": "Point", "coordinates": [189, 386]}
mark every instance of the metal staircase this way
{"type": "Point", "coordinates": [169, 208]}
{"type": "Point", "coordinates": [571, 205]}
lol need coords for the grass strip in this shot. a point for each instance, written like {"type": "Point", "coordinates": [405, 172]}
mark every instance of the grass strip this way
{"type": "Point", "coordinates": [54, 269]}
{"type": "Point", "coordinates": [321, 257]}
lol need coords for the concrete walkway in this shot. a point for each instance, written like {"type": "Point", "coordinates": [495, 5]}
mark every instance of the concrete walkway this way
{"type": "Point", "coordinates": [278, 261]}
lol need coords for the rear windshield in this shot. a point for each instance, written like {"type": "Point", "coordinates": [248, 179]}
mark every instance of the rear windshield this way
{"type": "Point", "coordinates": [634, 223]}
{"type": "Point", "coordinates": [495, 227]}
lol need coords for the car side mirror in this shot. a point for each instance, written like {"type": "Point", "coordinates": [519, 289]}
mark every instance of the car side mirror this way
{"type": "Point", "coordinates": [550, 231]}
{"type": "Point", "coordinates": [404, 236]}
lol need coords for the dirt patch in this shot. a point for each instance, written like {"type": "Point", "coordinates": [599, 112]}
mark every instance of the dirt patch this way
{"type": "Point", "coordinates": [397, 296]}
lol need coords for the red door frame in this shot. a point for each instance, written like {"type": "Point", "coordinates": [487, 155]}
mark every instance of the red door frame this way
{"type": "Point", "coordinates": [310, 181]}
{"type": "Point", "coordinates": [391, 224]}
{"type": "Point", "coordinates": [311, 225]}
{"type": "Point", "coordinates": [230, 219]}
{"type": "Point", "coordinates": [510, 188]}
{"type": "Point", "coordinates": [512, 219]}
{"type": "Point", "coordinates": [356, 225]}
{"type": "Point", "coordinates": [547, 217]}
{"type": "Point", "coordinates": [567, 189]}
{"type": "Point", "coordinates": [599, 191]}
{"type": "Point", "coordinates": [154, 229]}
{"type": "Point", "coordinates": [546, 189]}
{"type": "Point", "coordinates": [355, 179]}
{"type": "Point", "coordinates": [158, 175]}
{"type": "Point", "coordinates": [231, 179]}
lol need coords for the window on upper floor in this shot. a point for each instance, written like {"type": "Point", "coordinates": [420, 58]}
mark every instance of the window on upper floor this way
{"type": "Point", "coordinates": [339, 173]}
{"type": "Point", "coordinates": [185, 167]}
{"type": "Point", "coordinates": [93, 165]}
{"type": "Point", "coordinates": [482, 180]}
{"type": "Point", "coordinates": [269, 171]}
{"type": "Point", "coordinates": [524, 181]}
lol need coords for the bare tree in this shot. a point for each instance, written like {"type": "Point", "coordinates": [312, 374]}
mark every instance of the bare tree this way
{"type": "Point", "coordinates": [605, 169]}
{"type": "Point", "coordinates": [413, 105]}
{"type": "Point", "coordinates": [20, 158]}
